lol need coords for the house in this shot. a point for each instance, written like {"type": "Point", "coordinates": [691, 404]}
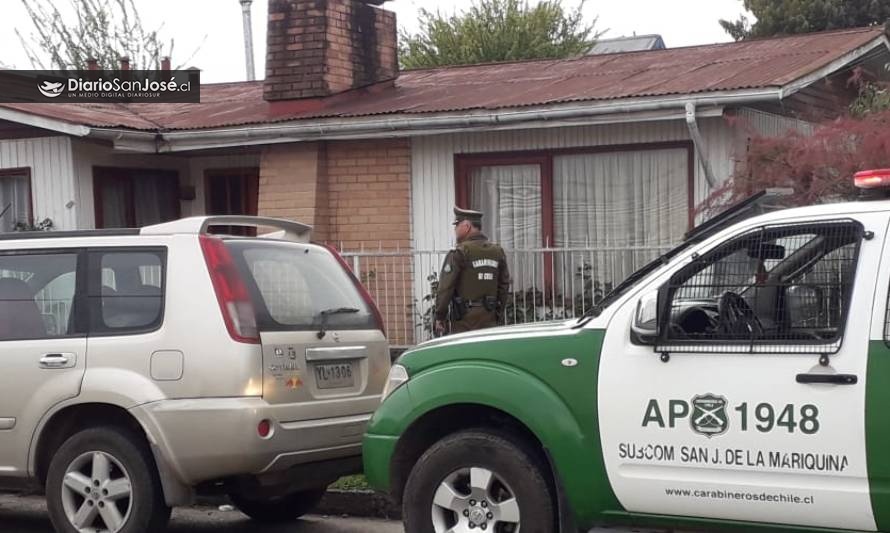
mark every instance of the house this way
{"type": "Point", "coordinates": [600, 160]}
{"type": "Point", "coordinates": [634, 43]}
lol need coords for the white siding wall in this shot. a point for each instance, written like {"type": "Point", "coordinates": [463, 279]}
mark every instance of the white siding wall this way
{"type": "Point", "coordinates": [433, 175]}
{"type": "Point", "coordinates": [767, 124]}
{"type": "Point", "coordinates": [52, 176]}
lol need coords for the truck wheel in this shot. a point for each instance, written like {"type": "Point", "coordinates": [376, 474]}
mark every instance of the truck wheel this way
{"type": "Point", "coordinates": [281, 509]}
{"type": "Point", "coordinates": [478, 481]}
{"type": "Point", "coordinates": [104, 479]}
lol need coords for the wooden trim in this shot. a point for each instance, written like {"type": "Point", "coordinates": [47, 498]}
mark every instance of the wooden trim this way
{"type": "Point", "coordinates": [26, 173]}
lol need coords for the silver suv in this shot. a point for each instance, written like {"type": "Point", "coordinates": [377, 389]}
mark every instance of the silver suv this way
{"type": "Point", "coordinates": [139, 368]}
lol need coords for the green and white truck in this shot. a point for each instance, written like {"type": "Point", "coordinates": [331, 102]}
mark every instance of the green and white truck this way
{"type": "Point", "coordinates": [740, 381]}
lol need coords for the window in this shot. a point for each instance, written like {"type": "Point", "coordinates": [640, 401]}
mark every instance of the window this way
{"type": "Point", "coordinates": [133, 198]}
{"type": "Point", "coordinates": [619, 196]}
{"type": "Point", "coordinates": [127, 291]}
{"type": "Point", "coordinates": [37, 293]}
{"type": "Point", "coordinates": [15, 198]}
{"type": "Point", "coordinates": [293, 285]}
{"type": "Point", "coordinates": [765, 291]}
{"type": "Point", "coordinates": [232, 192]}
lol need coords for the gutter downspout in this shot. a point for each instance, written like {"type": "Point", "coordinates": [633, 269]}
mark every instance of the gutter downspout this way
{"type": "Point", "coordinates": [699, 144]}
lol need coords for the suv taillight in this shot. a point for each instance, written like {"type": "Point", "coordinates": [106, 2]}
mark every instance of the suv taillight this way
{"type": "Point", "coordinates": [366, 296]}
{"type": "Point", "coordinates": [231, 292]}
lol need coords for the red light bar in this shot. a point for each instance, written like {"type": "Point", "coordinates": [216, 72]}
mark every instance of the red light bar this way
{"type": "Point", "coordinates": [872, 179]}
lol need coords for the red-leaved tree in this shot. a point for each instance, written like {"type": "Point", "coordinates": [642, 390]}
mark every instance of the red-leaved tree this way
{"type": "Point", "coordinates": [818, 167]}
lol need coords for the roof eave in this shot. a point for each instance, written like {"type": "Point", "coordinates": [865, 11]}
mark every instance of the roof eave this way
{"type": "Point", "coordinates": [835, 66]}
{"type": "Point", "coordinates": [45, 123]}
{"type": "Point", "coordinates": [411, 125]}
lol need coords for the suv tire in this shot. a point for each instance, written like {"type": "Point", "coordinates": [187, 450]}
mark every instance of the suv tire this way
{"type": "Point", "coordinates": [106, 475]}
{"type": "Point", "coordinates": [279, 509]}
{"type": "Point", "coordinates": [480, 478]}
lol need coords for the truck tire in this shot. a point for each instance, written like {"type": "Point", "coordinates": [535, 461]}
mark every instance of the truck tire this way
{"type": "Point", "coordinates": [105, 478]}
{"type": "Point", "coordinates": [481, 481]}
{"type": "Point", "coordinates": [285, 508]}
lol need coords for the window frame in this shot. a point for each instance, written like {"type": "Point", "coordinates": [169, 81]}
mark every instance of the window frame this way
{"type": "Point", "coordinates": [465, 163]}
{"type": "Point", "coordinates": [753, 346]}
{"type": "Point", "coordinates": [94, 256]}
{"type": "Point", "coordinates": [19, 172]}
{"type": "Point", "coordinates": [79, 303]}
{"type": "Point", "coordinates": [129, 175]}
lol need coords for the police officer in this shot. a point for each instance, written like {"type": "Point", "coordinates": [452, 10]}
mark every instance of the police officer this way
{"type": "Point", "coordinates": [474, 280]}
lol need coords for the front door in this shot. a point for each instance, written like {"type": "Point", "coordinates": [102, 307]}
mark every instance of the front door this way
{"type": "Point", "coordinates": [751, 405]}
{"type": "Point", "coordinates": [42, 345]}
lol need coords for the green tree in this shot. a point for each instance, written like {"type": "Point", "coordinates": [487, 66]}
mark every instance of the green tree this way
{"type": "Point", "coordinates": [498, 30]}
{"type": "Point", "coordinates": [105, 30]}
{"type": "Point", "coordinates": [784, 17]}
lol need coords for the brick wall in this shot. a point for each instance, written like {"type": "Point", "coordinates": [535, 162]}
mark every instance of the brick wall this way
{"type": "Point", "coordinates": [317, 48]}
{"type": "Point", "coordinates": [289, 185]}
{"type": "Point", "coordinates": [369, 193]}
{"type": "Point", "coordinates": [357, 195]}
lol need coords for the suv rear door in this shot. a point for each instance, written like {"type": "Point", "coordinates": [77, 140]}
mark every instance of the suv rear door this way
{"type": "Point", "coordinates": [42, 344]}
{"type": "Point", "coordinates": [324, 350]}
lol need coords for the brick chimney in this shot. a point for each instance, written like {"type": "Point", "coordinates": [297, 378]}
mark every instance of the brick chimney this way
{"type": "Point", "coordinates": [318, 48]}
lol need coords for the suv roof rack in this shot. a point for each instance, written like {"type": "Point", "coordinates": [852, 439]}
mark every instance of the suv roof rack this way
{"type": "Point", "coordinates": [289, 230]}
{"type": "Point", "coordinates": [27, 235]}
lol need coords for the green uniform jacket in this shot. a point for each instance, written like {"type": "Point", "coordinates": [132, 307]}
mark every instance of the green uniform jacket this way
{"type": "Point", "coordinates": [475, 269]}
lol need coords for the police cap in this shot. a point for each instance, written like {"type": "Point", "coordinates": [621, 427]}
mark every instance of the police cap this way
{"type": "Point", "coordinates": [466, 214]}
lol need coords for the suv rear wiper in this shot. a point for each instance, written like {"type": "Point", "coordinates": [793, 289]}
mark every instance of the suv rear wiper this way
{"type": "Point", "coordinates": [323, 317]}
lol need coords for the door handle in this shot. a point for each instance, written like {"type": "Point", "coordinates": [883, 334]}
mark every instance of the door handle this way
{"type": "Point", "coordinates": [58, 360]}
{"type": "Point", "coordinates": [833, 379]}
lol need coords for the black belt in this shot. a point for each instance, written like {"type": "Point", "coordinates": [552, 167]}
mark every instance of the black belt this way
{"type": "Point", "coordinates": [471, 304]}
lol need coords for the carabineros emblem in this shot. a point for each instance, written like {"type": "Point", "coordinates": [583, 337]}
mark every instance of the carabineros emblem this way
{"type": "Point", "coordinates": [709, 416]}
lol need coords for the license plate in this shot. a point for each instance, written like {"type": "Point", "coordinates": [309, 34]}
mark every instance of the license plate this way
{"type": "Point", "coordinates": [335, 376]}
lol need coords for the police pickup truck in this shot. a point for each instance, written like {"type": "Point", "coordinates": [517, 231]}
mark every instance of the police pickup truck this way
{"type": "Point", "coordinates": [740, 381]}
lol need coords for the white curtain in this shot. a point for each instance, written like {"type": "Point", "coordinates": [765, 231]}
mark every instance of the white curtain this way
{"type": "Point", "coordinates": [510, 197]}
{"type": "Point", "coordinates": [15, 201]}
{"type": "Point", "coordinates": [625, 206]}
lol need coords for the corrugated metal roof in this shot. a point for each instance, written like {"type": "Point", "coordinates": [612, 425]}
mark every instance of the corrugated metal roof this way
{"type": "Point", "coordinates": [698, 69]}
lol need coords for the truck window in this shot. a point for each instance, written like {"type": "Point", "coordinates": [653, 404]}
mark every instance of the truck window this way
{"type": "Point", "coordinates": [773, 289]}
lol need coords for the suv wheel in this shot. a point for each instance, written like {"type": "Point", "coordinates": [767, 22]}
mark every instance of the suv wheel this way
{"type": "Point", "coordinates": [278, 509]}
{"type": "Point", "coordinates": [104, 479]}
{"type": "Point", "coordinates": [478, 481]}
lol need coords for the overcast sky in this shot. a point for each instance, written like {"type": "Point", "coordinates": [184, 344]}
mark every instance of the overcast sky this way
{"type": "Point", "coordinates": [213, 27]}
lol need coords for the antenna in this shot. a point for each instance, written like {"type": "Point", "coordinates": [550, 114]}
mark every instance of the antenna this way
{"type": "Point", "coordinates": [248, 38]}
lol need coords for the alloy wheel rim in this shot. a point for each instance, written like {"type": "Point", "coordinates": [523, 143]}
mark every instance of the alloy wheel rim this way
{"type": "Point", "coordinates": [475, 500]}
{"type": "Point", "coordinates": [97, 495]}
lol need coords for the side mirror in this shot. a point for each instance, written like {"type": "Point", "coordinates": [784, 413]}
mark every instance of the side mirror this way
{"type": "Point", "coordinates": [645, 323]}
{"type": "Point", "coordinates": [804, 305]}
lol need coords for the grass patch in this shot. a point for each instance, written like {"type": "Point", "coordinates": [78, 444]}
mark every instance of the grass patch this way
{"type": "Point", "coordinates": [351, 483]}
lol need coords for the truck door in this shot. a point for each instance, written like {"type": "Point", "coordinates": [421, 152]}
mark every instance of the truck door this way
{"type": "Point", "coordinates": [877, 398]}
{"type": "Point", "coordinates": [748, 402]}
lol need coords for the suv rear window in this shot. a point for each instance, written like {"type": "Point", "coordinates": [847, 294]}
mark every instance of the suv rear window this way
{"type": "Point", "coordinates": [293, 284]}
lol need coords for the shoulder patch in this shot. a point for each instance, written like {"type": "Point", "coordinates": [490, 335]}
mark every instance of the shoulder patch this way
{"type": "Point", "coordinates": [447, 268]}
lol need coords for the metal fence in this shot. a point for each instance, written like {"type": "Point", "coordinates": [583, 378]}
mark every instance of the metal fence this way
{"type": "Point", "coordinates": [548, 283]}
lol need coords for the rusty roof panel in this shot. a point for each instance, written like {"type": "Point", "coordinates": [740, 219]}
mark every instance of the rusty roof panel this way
{"type": "Point", "coordinates": [745, 65]}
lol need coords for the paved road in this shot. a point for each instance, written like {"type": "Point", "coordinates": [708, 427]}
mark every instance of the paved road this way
{"type": "Point", "coordinates": [28, 515]}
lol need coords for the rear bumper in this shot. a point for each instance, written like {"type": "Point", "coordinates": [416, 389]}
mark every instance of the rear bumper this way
{"type": "Point", "coordinates": [216, 438]}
